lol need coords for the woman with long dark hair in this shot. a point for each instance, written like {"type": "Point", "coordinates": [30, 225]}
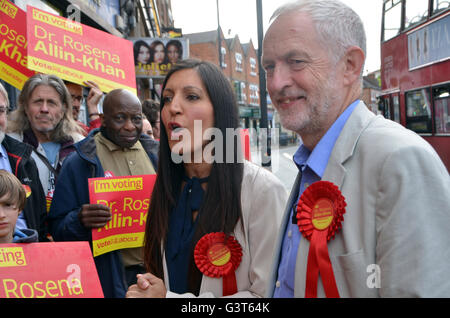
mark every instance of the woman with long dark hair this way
{"type": "Point", "coordinates": [142, 52]}
{"type": "Point", "coordinates": [158, 58]}
{"type": "Point", "coordinates": [213, 217]}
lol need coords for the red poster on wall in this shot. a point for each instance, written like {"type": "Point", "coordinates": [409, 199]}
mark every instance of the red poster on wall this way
{"type": "Point", "coordinates": [78, 53]}
{"type": "Point", "coordinates": [128, 199]}
{"type": "Point", "coordinates": [48, 270]}
{"type": "Point", "coordinates": [13, 45]}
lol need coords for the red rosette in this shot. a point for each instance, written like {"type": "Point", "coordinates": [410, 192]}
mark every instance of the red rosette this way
{"type": "Point", "coordinates": [27, 190]}
{"type": "Point", "coordinates": [320, 213]}
{"type": "Point", "coordinates": [218, 255]}
{"type": "Point", "coordinates": [315, 192]}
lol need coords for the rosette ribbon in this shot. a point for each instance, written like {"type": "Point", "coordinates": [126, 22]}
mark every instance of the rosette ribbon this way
{"type": "Point", "coordinates": [319, 216]}
{"type": "Point", "coordinates": [219, 255]}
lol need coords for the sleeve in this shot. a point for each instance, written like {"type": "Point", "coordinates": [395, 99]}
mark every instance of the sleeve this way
{"type": "Point", "coordinates": [71, 193]}
{"type": "Point", "coordinates": [96, 123]}
{"type": "Point", "coordinates": [268, 199]}
{"type": "Point", "coordinates": [413, 220]}
{"type": "Point", "coordinates": [36, 203]}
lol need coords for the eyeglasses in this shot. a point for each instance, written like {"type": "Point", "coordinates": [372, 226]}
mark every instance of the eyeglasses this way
{"type": "Point", "coordinates": [79, 99]}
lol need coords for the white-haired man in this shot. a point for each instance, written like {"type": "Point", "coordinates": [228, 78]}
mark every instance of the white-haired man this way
{"type": "Point", "coordinates": [394, 237]}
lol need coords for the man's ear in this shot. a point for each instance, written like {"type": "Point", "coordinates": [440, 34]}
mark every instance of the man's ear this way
{"type": "Point", "coordinates": [354, 62]}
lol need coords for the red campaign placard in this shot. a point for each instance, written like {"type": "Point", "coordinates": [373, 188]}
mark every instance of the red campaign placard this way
{"type": "Point", "coordinates": [129, 200]}
{"type": "Point", "coordinates": [78, 53]}
{"type": "Point", "coordinates": [245, 144]}
{"type": "Point", "coordinates": [48, 270]}
{"type": "Point", "coordinates": [13, 45]}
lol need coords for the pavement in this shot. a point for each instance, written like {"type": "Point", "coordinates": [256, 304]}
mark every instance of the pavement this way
{"type": "Point", "coordinates": [281, 163]}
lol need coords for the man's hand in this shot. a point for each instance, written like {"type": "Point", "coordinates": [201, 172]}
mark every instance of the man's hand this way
{"type": "Point", "coordinates": [94, 97]}
{"type": "Point", "coordinates": [94, 215]}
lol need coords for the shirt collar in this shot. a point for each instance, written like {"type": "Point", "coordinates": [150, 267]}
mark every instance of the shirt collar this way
{"type": "Point", "coordinates": [113, 147]}
{"type": "Point", "coordinates": [3, 153]}
{"type": "Point", "coordinates": [317, 160]}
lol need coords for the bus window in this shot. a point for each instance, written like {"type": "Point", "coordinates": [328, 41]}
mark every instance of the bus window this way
{"type": "Point", "coordinates": [441, 97]}
{"type": "Point", "coordinates": [440, 5]}
{"type": "Point", "coordinates": [415, 11]}
{"type": "Point", "coordinates": [392, 18]}
{"type": "Point", "coordinates": [389, 106]}
{"type": "Point", "coordinates": [418, 111]}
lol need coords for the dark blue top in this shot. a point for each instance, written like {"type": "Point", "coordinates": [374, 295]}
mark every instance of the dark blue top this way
{"type": "Point", "coordinates": [181, 232]}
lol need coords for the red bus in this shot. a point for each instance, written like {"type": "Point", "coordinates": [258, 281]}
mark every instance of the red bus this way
{"type": "Point", "coordinates": [415, 69]}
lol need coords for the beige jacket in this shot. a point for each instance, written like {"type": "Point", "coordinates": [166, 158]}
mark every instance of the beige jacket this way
{"type": "Point", "coordinates": [395, 237]}
{"type": "Point", "coordinates": [263, 199]}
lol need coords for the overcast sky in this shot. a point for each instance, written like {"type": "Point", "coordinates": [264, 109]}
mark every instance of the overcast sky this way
{"type": "Point", "coordinates": [239, 17]}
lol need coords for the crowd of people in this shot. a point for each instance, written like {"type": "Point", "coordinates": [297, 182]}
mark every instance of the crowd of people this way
{"type": "Point", "coordinates": [378, 189]}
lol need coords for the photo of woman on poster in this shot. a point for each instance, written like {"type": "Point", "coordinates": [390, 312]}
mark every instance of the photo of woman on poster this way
{"type": "Point", "coordinates": [158, 57]}
{"type": "Point", "coordinates": [141, 52]}
{"type": "Point", "coordinates": [154, 57]}
{"type": "Point", "coordinates": [174, 51]}
{"type": "Point", "coordinates": [159, 52]}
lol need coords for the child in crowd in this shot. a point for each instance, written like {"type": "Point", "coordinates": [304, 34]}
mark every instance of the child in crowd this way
{"type": "Point", "coordinates": [12, 201]}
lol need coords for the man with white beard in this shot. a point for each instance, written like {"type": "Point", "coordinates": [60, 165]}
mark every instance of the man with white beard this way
{"type": "Point", "coordinates": [15, 157]}
{"type": "Point", "coordinates": [390, 183]}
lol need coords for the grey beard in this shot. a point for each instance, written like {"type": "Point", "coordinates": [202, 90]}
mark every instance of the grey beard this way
{"type": "Point", "coordinates": [2, 136]}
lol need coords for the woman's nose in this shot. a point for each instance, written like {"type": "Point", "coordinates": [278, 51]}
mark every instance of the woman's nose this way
{"type": "Point", "coordinates": [175, 106]}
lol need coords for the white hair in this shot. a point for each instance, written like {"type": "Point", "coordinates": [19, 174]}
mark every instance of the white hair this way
{"type": "Point", "coordinates": [337, 25]}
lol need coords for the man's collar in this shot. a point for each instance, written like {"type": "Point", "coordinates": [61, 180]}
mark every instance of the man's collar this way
{"type": "Point", "coordinates": [112, 146]}
{"type": "Point", "coordinates": [317, 159]}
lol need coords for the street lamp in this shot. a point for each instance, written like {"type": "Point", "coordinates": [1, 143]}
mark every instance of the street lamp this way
{"type": "Point", "coordinates": [219, 41]}
{"type": "Point", "coordinates": [265, 140]}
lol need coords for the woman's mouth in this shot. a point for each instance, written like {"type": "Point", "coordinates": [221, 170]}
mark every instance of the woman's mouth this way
{"type": "Point", "coordinates": [175, 130]}
{"type": "Point", "coordinates": [173, 125]}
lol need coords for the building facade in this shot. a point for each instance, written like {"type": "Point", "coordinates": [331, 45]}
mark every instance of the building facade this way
{"type": "Point", "coordinates": [239, 63]}
{"type": "Point", "coordinates": [153, 18]}
{"type": "Point", "coordinates": [371, 91]}
{"type": "Point", "coordinates": [122, 18]}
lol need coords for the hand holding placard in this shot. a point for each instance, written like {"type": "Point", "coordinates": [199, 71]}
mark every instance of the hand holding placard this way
{"type": "Point", "coordinates": [94, 215]}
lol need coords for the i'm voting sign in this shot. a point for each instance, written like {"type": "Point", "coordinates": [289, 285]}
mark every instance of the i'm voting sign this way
{"type": "Point", "coordinates": [48, 270]}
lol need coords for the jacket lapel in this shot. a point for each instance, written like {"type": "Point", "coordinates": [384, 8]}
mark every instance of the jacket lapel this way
{"type": "Point", "coordinates": [284, 222]}
{"type": "Point", "coordinates": [335, 172]}
{"type": "Point", "coordinates": [346, 144]}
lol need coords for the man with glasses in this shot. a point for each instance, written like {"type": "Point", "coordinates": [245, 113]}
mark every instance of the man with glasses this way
{"type": "Point", "coordinates": [94, 97]}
